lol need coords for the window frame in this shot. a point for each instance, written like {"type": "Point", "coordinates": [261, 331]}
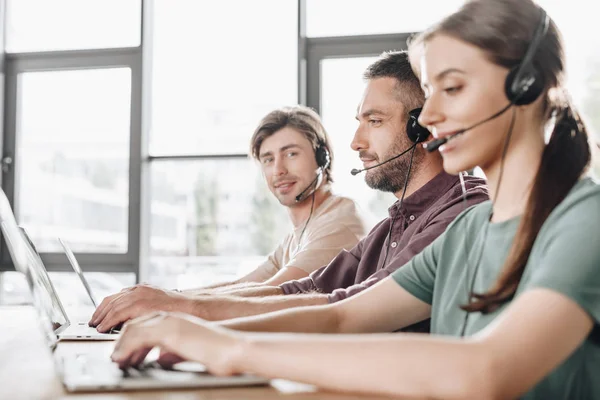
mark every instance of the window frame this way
{"type": "Point", "coordinates": [73, 60]}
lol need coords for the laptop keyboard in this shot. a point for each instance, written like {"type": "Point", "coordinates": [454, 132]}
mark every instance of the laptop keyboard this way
{"type": "Point", "coordinates": [101, 370]}
{"type": "Point", "coordinates": [85, 372]}
{"type": "Point", "coordinates": [83, 329]}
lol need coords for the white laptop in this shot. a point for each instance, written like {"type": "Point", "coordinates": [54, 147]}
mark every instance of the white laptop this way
{"type": "Point", "coordinates": [94, 371]}
{"type": "Point", "coordinates": [27, 260]}
{"type": "Point", "coordinates": [77, 268]}
{"type": "Point", "coordinates": [67, 330]}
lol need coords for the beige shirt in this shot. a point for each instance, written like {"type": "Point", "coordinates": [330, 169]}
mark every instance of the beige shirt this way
{"type": "Point", "coordinates": [335, 225]}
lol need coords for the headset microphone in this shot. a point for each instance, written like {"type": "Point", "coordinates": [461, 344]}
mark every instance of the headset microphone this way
{"type": "Point", "coordinates": [300, 196]}
{"type": "Point", "coordinates": [358, 171]}
{"type": "Point", "coordinates": [323, 160]}
{"type": "Point", "coordinates": [435, 144]}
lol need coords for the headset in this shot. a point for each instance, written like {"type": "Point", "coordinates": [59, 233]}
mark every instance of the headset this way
{"type": "Point", "coordinates": [415, 132]}
{"type": "Point", "coordinates": [323, 161]}
{"type": "Point", "coordinates": [523, 85]}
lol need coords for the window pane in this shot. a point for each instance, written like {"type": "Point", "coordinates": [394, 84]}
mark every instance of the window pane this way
{"type": "Point", "coordinates": [211, 220]}
{"type": "Point", "coordinates": [72, 292]}
{"type": "Point", "coordinates": [373, 16]}
{"type": "Point", "coordinates": [216, 72]}
{"type": "Point", "coordinates": [42, 25]}
{"type": "Point", "coordinates": [344, 75]}
{"type": "Point", "coordinates": [14, 289]}
{"type": "Point", "coordinates": [73, 158]}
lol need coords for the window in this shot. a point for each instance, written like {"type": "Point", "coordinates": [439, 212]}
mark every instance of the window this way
{"type": "Point", "coordinates": [210, 220]}
{"type": "Point", "coordinates": [73, 158]}
{"type": "Point", "coordinates": [348, 18]}
{"type": "Point", "coordinates": [41, 25]}
{"type": "Point", "coordinates": [216, 72]}
{"type": "Point", "coordinates": [15, 291]}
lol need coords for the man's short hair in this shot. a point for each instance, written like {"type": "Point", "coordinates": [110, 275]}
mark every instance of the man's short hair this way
{"type": "Point", "coordinates": [303, 119]}
{"type": "Point", "coordinates": [396, 64]}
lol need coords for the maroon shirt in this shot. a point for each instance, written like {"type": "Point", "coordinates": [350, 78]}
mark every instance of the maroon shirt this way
{"type": "Point", "coordinates": [423, 217]}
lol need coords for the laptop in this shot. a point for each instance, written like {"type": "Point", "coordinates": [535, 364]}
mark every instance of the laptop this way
{"type": "Point", "coordinates": [27, 260]}
{"type": "Point", "coordinates": [77, 268]}
{"type": "Point", "coordinates": [79, 330]}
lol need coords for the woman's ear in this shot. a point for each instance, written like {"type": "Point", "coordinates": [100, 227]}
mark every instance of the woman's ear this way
{"type": "Point", "coordinates": [416, 48]}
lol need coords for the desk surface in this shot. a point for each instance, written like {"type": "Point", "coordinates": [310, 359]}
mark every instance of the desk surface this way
{"type": "Point", "coordinates": [27, 370]}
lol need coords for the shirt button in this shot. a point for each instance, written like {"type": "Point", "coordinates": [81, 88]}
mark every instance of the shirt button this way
{"type": "Point", "coordinates": [394, 244]}
{"type": "Point", "coordinates": [412, 217]}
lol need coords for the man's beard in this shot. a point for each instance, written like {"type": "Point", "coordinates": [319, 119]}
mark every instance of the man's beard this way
{"type": "Point", "coordinates": [391, 177]}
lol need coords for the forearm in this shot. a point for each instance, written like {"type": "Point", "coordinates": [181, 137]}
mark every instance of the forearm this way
{"type": "Point", "coordinates": [406, 365]}
{"type": "Point", "coordinates": [228, 307]}
{"type": "Point", "coordinates": [225, 288]}
{"type": "Point", "coordinates": [300, 317]}
{"type": "Point", "coordinates": [255, 290]}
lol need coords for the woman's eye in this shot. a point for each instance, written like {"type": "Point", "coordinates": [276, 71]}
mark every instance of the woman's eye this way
{"type": "Point", "coordinates": [452, 90]}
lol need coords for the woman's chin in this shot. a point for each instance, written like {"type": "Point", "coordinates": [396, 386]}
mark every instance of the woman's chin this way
{"type": "Point", "coordinates": [454, 167]}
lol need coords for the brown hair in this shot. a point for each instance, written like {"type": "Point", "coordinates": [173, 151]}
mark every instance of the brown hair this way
{"type": "Point", "coordinates": [303, 119]}
{"type": "Point", "coordinates": [396, 64]}
{"type": "Point", "coordinates": [504, 29]}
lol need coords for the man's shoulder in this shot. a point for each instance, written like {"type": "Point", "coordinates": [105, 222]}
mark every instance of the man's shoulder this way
{"type": "Point", "coordinates": [339, 207]}
{"type": "Point", "coordinates": [340, 213]}
{"type": "Point", "coordinates": [456, 199]}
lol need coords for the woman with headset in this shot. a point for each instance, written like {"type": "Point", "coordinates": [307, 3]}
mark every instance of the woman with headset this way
{"type": "Point", "coordinates": [512, 286]}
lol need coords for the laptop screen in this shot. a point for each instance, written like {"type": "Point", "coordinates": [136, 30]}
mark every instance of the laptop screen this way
{"type": "Point", "coordinates": [26, 260]}
{"type": "Point", "coordinates": [77, 268]}
{"type": "Point", "coordinates": [48, 303]}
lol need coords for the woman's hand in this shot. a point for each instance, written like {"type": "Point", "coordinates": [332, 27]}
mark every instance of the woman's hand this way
{"type": "Point", "coordinates": [179, 337]}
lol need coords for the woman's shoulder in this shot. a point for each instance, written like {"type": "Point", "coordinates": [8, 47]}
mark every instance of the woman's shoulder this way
{"type": "Point", "coordinates": [581, 206]}
{"type": "Point", "coordinates": [583, 198]}
{"type": "Point", "coordinates": [476, 213]}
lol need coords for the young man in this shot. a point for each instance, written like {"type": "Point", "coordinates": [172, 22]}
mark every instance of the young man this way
{"type": "Point", "coordinates": [293, 149]}
{"type": "Point", "coordinates": [432, 200]}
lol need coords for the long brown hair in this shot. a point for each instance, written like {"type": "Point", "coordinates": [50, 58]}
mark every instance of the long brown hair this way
{"type": "Point", "coordinates": [504, 29]}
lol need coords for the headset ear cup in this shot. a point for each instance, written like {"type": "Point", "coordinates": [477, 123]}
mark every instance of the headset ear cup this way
{"type": "Point", "coordinates": [511, 88]}
{"type": "Point", "coordinates": [415, 132]}
{"type": "Point", "coordinates": [322, 156]}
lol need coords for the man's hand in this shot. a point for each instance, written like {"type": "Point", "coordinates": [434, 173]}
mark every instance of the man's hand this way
{"type": "Point", "coordinates": [179, 337]}
{"type": "Point", "coordinates": [136, 301]}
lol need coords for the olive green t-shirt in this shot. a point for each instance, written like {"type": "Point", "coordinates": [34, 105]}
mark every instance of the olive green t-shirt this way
{"type": "Point", "coordinates": [565, 258]}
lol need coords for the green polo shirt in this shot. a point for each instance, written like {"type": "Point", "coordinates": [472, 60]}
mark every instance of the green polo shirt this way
{"type": "Point", "coordinates": [565, 258]}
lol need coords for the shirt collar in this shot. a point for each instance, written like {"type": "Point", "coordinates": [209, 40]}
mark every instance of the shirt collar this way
{"type": "Point", "coordinates": [426, 195]}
